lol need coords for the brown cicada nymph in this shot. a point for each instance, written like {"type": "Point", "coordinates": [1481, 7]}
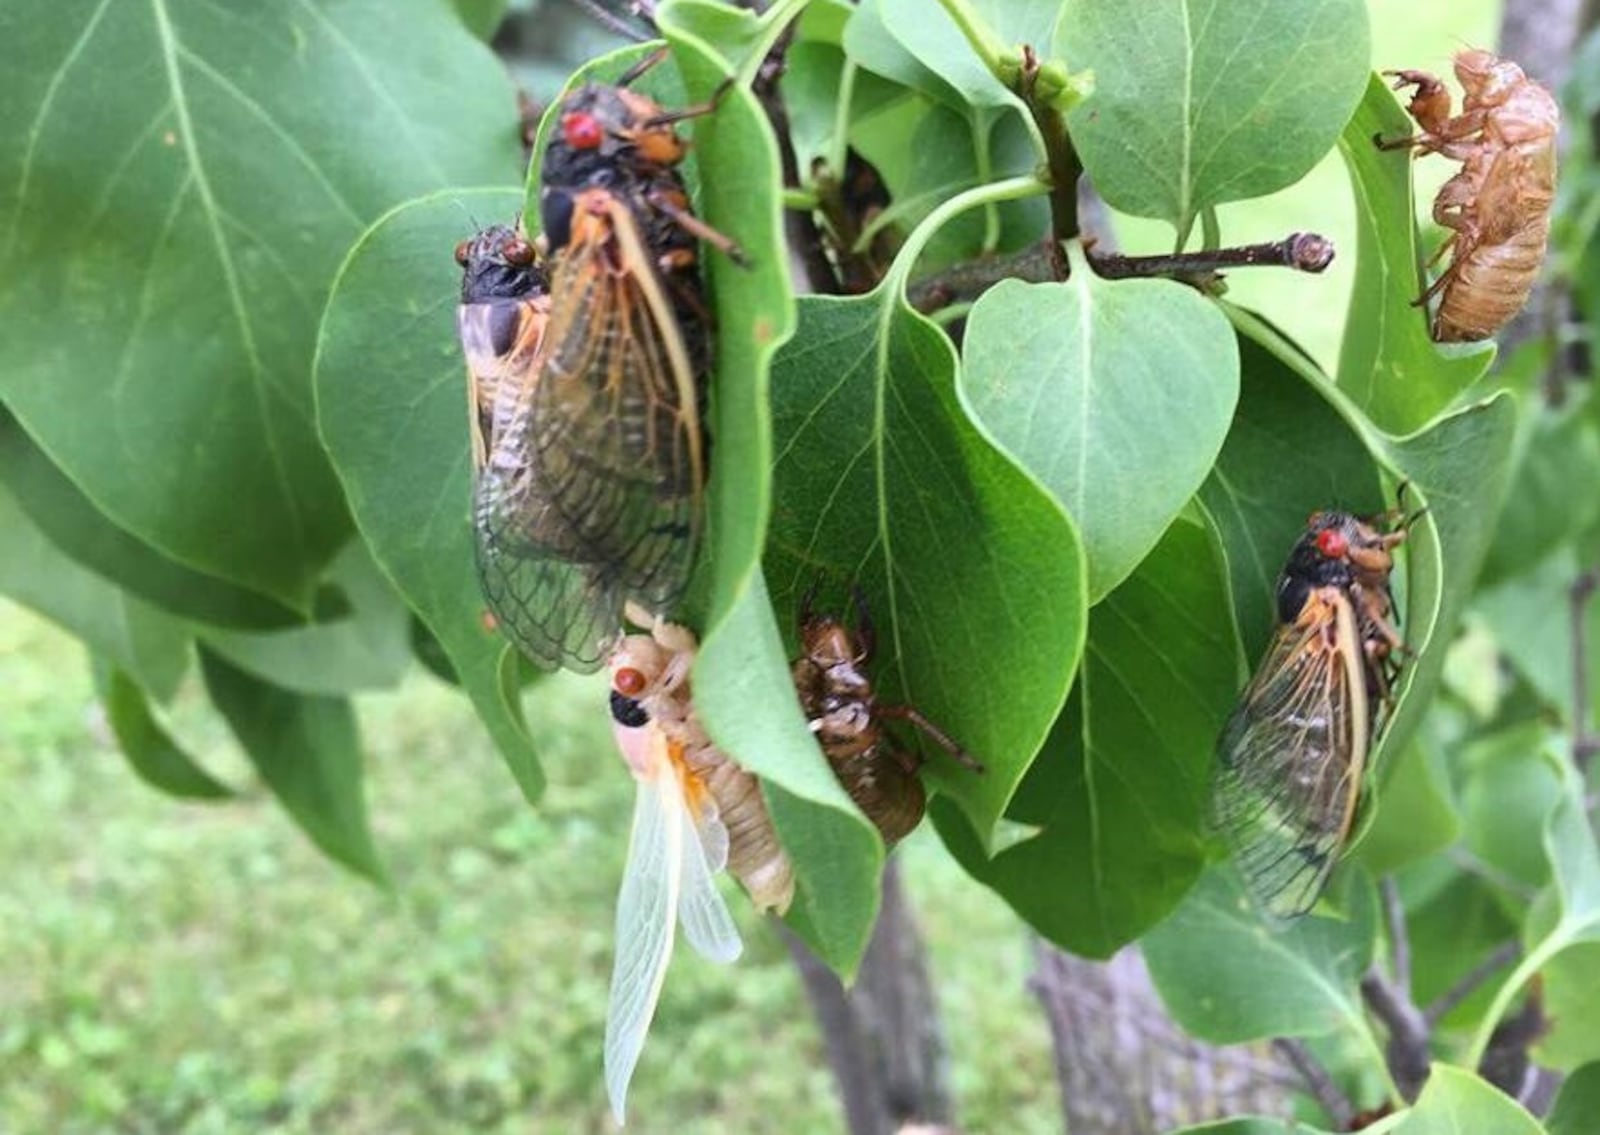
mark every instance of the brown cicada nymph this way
{"type": "Point", "coordinates": [845, 715]}
{"type": "Point", "coordinates": [1497, 207]}
{"type": "Point", "coordinates": [590, 495]}
{"type": "Point", "coordinates": [1293, 755]}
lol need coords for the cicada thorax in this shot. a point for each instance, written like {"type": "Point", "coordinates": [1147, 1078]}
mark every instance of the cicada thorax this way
{"type": "Point", "coordinates": [651, 671]}
{"type": "Point", "coordinates": [1497, 207]}
{"type": "Point", "coordinates": [843, 711]}
{"type": "Point", "coordinates": [1293, 755]}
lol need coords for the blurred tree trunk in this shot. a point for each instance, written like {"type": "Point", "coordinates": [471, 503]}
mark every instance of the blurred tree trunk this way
{"type": "Point", "coordinates": [883, 1036]}
{"type": "Point", "coordinates": [1125, 1068]}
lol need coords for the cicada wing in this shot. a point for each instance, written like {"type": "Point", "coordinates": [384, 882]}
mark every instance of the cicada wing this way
{"type": "Point", "coordinates": [706, 922]}
{"type": "Point", "coordinates": [647, 909]}
{"type": "Point", "coordinates": [616, 425]}
{"type": "Point", "coordinates": [1291, 757]}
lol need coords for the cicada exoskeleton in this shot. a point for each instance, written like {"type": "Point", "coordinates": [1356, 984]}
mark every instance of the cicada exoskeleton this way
{"type": "Point", "coordinates": [845, 715]}
{"type": "Point", "coordinates": [1497, 207]}
{"type": "Point", "coordinates": [1293, 755]}
{"type": "Point", "coordinates": [593, 495]}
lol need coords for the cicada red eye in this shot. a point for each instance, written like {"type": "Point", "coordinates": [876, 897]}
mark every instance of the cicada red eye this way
{"type": "Point", "coordinates": [463, 251]}
{"type": "Point", "coordinates": [582, 130]}
{"type": "Point", "coordinates": [517, 251]}
{"type": "Point", "coordinates": [1332, 544]}
{"type": "Point", "coordinates": [629, 682]}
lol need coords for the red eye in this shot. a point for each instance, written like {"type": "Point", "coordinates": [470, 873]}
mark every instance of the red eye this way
{"type": "Point", "coordinates": [628, 682]}
{"type": "Point", "coordinates": [463, 252]}
{"type": "Point", "coordinates": [517, 252]}
{"type": "Point", "coordinates": [1332, 544]}
{"type": "Point", "coordinates": [582, 131]}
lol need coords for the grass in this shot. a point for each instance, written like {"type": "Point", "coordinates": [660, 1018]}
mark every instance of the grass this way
{"type": "Point", "coordinates": [169, 967]}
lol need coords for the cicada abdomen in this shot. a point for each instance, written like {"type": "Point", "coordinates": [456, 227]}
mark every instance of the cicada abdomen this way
{"type": "Point", "coordinates": [1293, 755]}
{"type": "Point", "coordinates": [652, 670]}
{"type": "Point", "coordinates": [1497, 207]}
{"type": "Point", "coordinates": [844, 714]}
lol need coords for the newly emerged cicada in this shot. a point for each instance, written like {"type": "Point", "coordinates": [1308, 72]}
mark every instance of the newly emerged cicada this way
{"type": "Point", "coordinates": [1292, 756]}
{"type": "Point", "coordinates": [696, 814]}
{"type": "Point", "coordinates": [592, 493]}
{"type": "Point", "coordinates": [844, 713]}
{"type": "Point", "coordinates": [1497, 207]}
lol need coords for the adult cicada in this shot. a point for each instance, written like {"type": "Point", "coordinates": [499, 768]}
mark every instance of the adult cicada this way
{"type": "Point", "coordinates": [591, 495]}
{"type": "Point", "coordinates": [1292, 756]}
{"type": "Point", "coordinates": [696, 813]}
{"type": "Point", "coordinates": [1497, 206]}
{"type": "Point", "coordinates": [837, 697]}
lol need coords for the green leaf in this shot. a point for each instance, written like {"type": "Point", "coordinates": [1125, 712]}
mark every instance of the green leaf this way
{"type": "Point", "coordinates": [152, 753]}
{"type": "Point", "coordinates": [73, 524]}
{"type": "Point", "coordinates": [146, 643]}
{"type": "Point", "coordinates": [1120, 790]}
{"type": "Point", "coordinates": [1570, 985]}
{"type": "Point", "coordinates": [1508, 790]}
{"type": "Point", "coordinates": [1579, 1100]}
{"type": "Point", "coordinates": [882, 482]}
{"type": "Point", "coordinates": [1455, 920]}
{"type": "Point", "coordinates": [1200, 102]}
{"type": "Point", "coordinates": [1456, 1102]}
{"type": "Point", "coordinates": [1120, 425]}
{"type": "Point", "coordinates": [1288, 453]}
{"type": "Point", "coordinates": [1545, 504]}
{"type": "Point", "coordinates": [1416, 818]}
{"type": "Point", "coordinates": [308, 752]}
{"type": "Point", "coordinates": [1532, 625]}
{"type": "Point", "coordinates": [367, 648]}
{"type": "Point", "coordinates": [187, 177]}
{"type": "Point", "coordinates": [391, 403]}
{"type": "Point", "coordinates": [1389, 363]}
{"type": "Point", "coordinates": [1228, 978]}
{"type": "Point", "coordinates": [927, 32]}
{"type": "Point", "coordinates": [482, 17]}
{"type": "Point", "coordinates": [1252, 1125]}
{"type": "Point", "coordinates": [870, 44]}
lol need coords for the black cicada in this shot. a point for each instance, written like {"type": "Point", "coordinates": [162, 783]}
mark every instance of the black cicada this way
{"type": "Point", "coordinates": [1292, 756]}
{"type": "Point", "coordinates": [591, 493]}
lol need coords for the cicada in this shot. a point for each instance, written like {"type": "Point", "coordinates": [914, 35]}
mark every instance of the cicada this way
{"type": "Point", "coordinates": [844, 713]}
{"type": "Point", "coordinates": [696, 813]}
{"type": "Point", "coordinates": [1497, 207]}
{"type": "Point", "coordinates": [1292, 756]}
{"type": "Point", "coordinates": [591, 496]}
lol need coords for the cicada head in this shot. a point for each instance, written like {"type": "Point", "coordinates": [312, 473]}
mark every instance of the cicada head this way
{"type": "Point", "coordinates": [604, 130]}
{"type": "Point", "coordinates": [498, 263]}
{"type": "Point", "coordinates": [827, 642]}
{"type": "Point", "coordinates": [1336, 550]}
{"type": "Point", "coordinates": [1487, 79]}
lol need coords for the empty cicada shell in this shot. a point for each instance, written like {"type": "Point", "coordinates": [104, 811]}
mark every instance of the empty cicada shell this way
{"type": "Point", "coordinates": [1292, 757]}
{"type": "Point", "coordinates": [844, 713]}
{"type": "Point", "coordinates": [1497, 207]}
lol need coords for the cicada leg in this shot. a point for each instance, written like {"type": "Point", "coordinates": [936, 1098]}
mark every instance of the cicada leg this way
{"type": "Point", "coordinates": [939, 737]}
{"type": "Point", "coordinates": [694, 226]}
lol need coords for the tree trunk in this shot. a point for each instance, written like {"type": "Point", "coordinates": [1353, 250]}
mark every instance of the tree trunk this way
{"type": "Point", "coordinates": [883, 1037]}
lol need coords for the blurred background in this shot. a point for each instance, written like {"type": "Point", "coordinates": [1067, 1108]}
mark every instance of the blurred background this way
{"type": "Point", "coordinates": [171, 967]}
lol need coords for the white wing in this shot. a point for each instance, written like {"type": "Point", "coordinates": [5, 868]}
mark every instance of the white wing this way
{"type": "Point", "coordinates": [646, 908]}
{"type": "Point", "coordinates": [706, 921]}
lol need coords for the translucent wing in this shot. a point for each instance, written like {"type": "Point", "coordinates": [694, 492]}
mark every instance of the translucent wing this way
{"type": "Point", "coordinates": [616, 419]}
{"type": "Point", "coordinates": [590, 492]}
{"type": "Point", "coordinates": [646, 909]}
{"type": "Point", "coordinates": [1291, 757]}
{"type": "Point", "coordinates": [670, 874]}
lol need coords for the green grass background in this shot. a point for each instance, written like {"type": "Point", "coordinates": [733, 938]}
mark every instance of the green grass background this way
{"type": "Point", "coordinates": [185, 968]}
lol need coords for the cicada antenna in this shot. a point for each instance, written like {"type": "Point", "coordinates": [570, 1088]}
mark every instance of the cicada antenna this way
{"type": "Point", "coordinates": [639, 69]}
{"type": "Point", "coordinates": [615, 23]}
{"type": "Point", "coordinates": [865, 634]}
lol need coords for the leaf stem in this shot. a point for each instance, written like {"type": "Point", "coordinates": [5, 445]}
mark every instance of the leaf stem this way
{"type": "Point", "coordinates": [985, 43]}
{"type": "Point", "coordinates": [1548, 947]}
{"type": "Point", "coordinates": [1011, 189]}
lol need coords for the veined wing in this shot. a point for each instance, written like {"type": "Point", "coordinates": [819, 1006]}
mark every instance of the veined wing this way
{"type": "Point", "coordinates": [615, 429]}
{"type": "Point", "coordinates": [1291, 757]}
{"type": "Point", "coordinates": [669, 876]}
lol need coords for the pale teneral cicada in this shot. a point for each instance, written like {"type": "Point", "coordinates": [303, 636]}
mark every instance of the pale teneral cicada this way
{"type": "Point", "coordinates": [696, 814]}
{"type": "Point", "coordinates": [1293, 755]}
{"type": "Point", "coordinates": [589, 492]}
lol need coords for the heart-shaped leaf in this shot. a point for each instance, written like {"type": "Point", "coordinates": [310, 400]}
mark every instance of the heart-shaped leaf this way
{"type": "Point", "coordinates": [1120, 425]}
{"type": "Point", "coordinates": [1456, 1102]}
{"type": "Point", "coordinates": [1120, 790]}
{"type": "Point", "coordinates": [1579, 1101]}
{"type": "Point", "coordinates": [1199, 102]}
{"type": "Point", "coordinates": [172, 236]}
{"type": "Point", "coordinates": [391, 404]}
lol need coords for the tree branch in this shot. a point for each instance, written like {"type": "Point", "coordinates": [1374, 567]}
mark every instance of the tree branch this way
{"type": "Point", "coordinates": [1394, 916]}
{"type": "Point", "coordinates": [1407, 1051]}
{"type": "Point", "coordinates": [1585, 740]}
{"type": "Point", "coordinates": [1304, 252]}
{"type": "Point", "coordinates": [1471, 982]}
{"type": "Point", "coordinates": [1329, 1096]}
{"type": "Point", "coordinates": [1060, 157]}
